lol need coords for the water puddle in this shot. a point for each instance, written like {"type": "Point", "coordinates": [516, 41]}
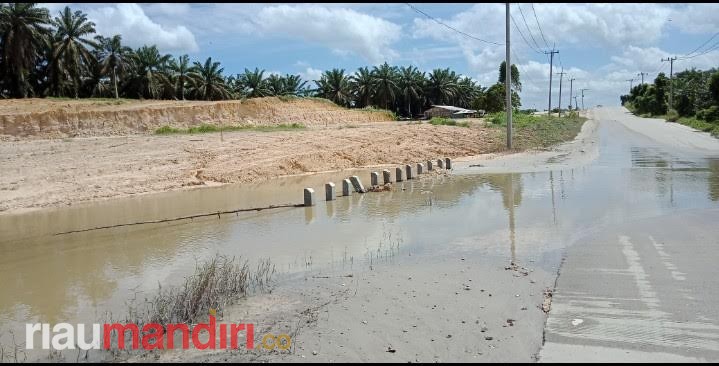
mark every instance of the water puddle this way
{"type": "Point", "coordinates": [513, 217]}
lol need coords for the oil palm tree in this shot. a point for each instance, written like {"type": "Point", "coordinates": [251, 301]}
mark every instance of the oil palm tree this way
{"type": "Point", "coordinates": [114, 58]}
{"type": "Point", "coordinates": [180, 70]}
{"type": "Point", "coordinates": [207, 81]}
{"type": "Point", "coordinates": [410, 83]}
{"type": "Point", "coordinates": [148, 72]}
{"type": "Point", "coordinates": [294, 85]}
{"type": "Point", "coordinates": [335, 86]}
{"type": "Point", "coordinates": [253, 83]}
{"type": "Point", "coordinates": [275, 85]}
{"type": "Point", "coordinates": [361, 83]}
{"type": "Point", "coordinates": [23, 33]}
{"type": "Point", "coordinates": [441, 86]}
{"type": "Point", "coordinates": [70, 57]}
{"type": "Point", "coordinates": [384, 84]}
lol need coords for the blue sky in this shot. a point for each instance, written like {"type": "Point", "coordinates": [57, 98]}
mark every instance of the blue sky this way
{"type": "Point", "coordinates": [601, 45]}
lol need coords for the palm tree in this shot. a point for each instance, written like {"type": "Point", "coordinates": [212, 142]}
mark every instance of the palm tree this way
{"type": "Point", "coordinates": [384, 84]}
{"type": "Point", "coordinates": [335, 86]}
{"type": "Point", "coordinates": [467, 92]}
{"type": "Point", "coordinates": [441, 86]}
{"type": "Point", "coordinates": [114, 57]}
{"type": "Point", "coordinates": [411, 83]}
{"type": "Point", "coordinates": [275, 85]}
{"type": "Point", "coordinates": [253, 83]}
{"type": "Point", "coordinates": [207, 82]}
{"type": "Point", "coordinates": [361, 83]}
{"type": "Point", "coordinates": [294, 84]}
{"type": "Point", "coordinates": [22, 36]}
{"type": "Point", "coordinates": [148, 76]}
{"type": "Point", "coordinates": [70, 58]}
{"type": "Point", "coordinates": [180, 69]}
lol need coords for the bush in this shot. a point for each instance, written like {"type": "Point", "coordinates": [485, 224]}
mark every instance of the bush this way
{"type": "Point", "coordinates": [447, 122]}
{"type": "Point", "coordinates": [203, 128]}
{"type": "Point", "coordinates": [166, 130]}
{"type": "Point", "coordinates": [710, 114]}
{"type": "Point", "coordinates": [672, 115]}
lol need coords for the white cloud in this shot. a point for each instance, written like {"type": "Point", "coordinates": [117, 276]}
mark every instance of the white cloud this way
{"type": "Point", "coordinates": [310, 74]}
{"type": "Point", "coordinates": [341, 29]}
{"type": "Point", "coordinates": [696, 18]}
{"type": "Point", "coordinates": [138, 29]}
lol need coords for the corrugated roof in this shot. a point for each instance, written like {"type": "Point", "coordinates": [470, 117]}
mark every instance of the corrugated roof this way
{"type": "Point", "coordinates": [455, 109]}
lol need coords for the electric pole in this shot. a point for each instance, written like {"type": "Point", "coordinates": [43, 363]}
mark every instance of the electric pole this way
{"type": "Point", "coordinates": [671, 82]}
{"type": "Point", "coordinates": [576, 104]}
{"type": "Point", "coordinates": [561, 75]}
{"type": "Point", "coordinates": [642, 74]}
{"type": "Point", "coordinates": [508, 82]}
{"type": "Point", "coordinates": [583, 97]}
{"type": "Point", "coordinates": [551, 61]}
{"type": "Point", "coordinates": [571, 81]}
{"type": "Point", "coordinates": [631, 83]}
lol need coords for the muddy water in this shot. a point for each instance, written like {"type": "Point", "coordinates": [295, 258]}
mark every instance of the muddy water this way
{"type": "Point", "coordinates": [522, 217]}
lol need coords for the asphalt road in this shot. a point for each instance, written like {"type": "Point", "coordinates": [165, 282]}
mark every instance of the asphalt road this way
{"type": "Point", "coordinates": [645, 290]}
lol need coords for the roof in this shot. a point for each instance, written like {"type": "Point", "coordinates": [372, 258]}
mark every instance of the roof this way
{"type": "Point", "coordinates": [455, 110]}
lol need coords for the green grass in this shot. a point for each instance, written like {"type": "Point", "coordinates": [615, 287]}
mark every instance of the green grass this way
{"type": "Point", "coordinates": [700, 125]}
{"type": "Point", "coordinates": [101, 101]}
{"type": "Point", "coordinates": [533, 131]}
{"type": "Point", "coordinates": [441, 121]}
{"type": "Point", "coordinates": [206, 128]}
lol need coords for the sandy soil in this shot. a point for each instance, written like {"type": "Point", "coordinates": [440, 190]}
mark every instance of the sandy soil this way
{"type": "Point", "coordinates": [59, 172]}
{"type": "Point", "coordinates": [56, 118]}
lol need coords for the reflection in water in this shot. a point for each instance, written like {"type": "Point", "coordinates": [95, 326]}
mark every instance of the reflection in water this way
{"type": "Point", "coordinates": [510, 186]}
{"type": "Point", "coordinates": [714, 179]}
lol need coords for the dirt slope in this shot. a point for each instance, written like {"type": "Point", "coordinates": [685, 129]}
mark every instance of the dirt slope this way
{"type": "Point", "coordinates": [53, 118]}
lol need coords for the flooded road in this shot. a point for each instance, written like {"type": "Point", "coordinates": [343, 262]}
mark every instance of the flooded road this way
{"type": "Point", "coordinates": [582, 213]}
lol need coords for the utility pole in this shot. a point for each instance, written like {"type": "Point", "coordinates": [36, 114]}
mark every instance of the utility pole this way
{"type": "Point", "coordinates": [576, 104]}
{"type": "Point", "coordinates": [508, 82]}
{"type": "Point", "coordinates": [583, 97]}
{"type": "Point", "coordinates": [671, 82]}
{"type": "Point", "coordinates": [642, 74]}
{"type": "Point", "coordinates": [561, 75]}
{"type": "Point", "coordinates": [551, 62]}
{"type": "Point", "coordinates": [571, 81]}
{"type": "Point", "coordinates": [631, 83]}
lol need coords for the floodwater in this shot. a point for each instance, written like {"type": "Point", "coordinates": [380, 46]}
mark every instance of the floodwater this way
{"type": "Point", "coordinates": [531, 216]}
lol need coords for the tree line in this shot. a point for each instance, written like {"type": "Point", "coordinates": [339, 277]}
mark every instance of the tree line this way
{"type": "Point", "coordinates": [62, 56]}
{"type": "Point", "coordinates": [696, 94]}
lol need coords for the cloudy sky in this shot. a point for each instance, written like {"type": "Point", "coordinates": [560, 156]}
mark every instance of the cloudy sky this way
{"type": "Point", "coordinates": [600, 45]}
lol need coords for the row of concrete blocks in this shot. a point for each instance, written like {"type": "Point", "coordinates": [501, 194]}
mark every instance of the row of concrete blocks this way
{"type": "Point", "coordinates": [354, 182]}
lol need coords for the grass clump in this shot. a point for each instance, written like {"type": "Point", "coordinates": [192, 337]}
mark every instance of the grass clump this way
{"type": "Point", "coordinates": [441, 121]}
{"type": "Point", "coordinates": [206, 128]}
{"type": "Point", "coordinates": [215, 284]}
{"type": "Point", "coordinates": [539, 131]}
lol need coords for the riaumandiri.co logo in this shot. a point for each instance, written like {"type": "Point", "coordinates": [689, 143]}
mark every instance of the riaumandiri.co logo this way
{"type": "Point", "coordinates": [151, 336]}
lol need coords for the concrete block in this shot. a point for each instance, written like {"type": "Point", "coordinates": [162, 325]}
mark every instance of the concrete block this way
{"type": "Point", "coordinates": [330, 191]}
{"type": "Point", "coordinates": [408, 171]}
{"type": "Point", "coordinates": [429, 165]}
{"type": "Point", "coordinates": [448, 163]}
{"type": "Point", "coordinates": [357, 184]}
{"type": "Point", "coordinates": [374, 179]}
{"type": "Point", "coordinates": [398, 175]}
{"type": "Point", "coordinates": [309, 197]}
{"type": "Point", "coordinates": [420, 168]}
{"type": "Point", "coordinates": [440, 163]}
{"type": "Point", "coordinates": [387, 176]}
{"type": "Point", "coordinates": [346, 190]}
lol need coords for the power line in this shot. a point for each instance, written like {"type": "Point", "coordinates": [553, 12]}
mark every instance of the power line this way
{"type": "Point", "coordinates": [521, 34]}
{"type": "Point", "coordinates": [711, 48]}
{"type": "Point", "coordinates": [702, 45]}
{"type": "Point", "coordinates": [539, 26]}
{"type": "Point", "coordinates": [452, 28]}
{"type": "Point", "coordinates": [527, 25]}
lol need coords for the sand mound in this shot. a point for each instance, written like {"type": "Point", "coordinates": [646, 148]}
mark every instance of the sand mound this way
{"type": "Point", "coordinates": [52, 118]}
